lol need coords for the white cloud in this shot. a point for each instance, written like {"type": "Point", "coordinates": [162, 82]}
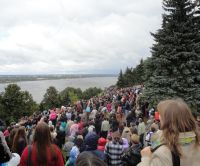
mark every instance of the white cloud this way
{"type": "Point", "coordinates": [80, 36]}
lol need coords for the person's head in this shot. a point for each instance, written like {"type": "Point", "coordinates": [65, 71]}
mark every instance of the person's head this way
{"type": "Point", "coordinates": [154, 127]}
{"type": "Point", "coordinates": [51, 128]}
{"type": "Point", "coordinates": [78, 142]}
{"type": "Point", "coordinates": [88, 159]}
{"type": "Point", "coordinates": [42, 134]}
{"type": "Point", "coordinates": [126, 133]}
{"type": "Point", "coordinates": [135, 139]}
{"type": "Point", "coordinates": [42, 139]}
{"type": "Point", "coordinates": [20, 134]}
{"type": "Point", "coordinates": [101, 144]}
{"type": "Point", "coordinates": [116, 136]}
{"type": "Point", "coordinates": [140, 120]}
{"type": "Point", "coordinates": [91, 141]}
{"type": "Point", "coordinates": [176, 117]}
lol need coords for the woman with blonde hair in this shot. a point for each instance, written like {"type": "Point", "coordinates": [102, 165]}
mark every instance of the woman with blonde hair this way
{"type": "Point", "coordinates": [179, 141]}
{"type": "Point", "coordinates": [42, 152]}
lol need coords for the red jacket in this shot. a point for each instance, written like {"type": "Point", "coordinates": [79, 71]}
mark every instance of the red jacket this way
{"type": "Point", "coordinates": [58, 162]}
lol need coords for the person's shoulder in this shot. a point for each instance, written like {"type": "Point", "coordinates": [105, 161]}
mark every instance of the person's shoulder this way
{"type": "Point", "coordinates": [56, 148]}
{"type": "Point", "coordinates": [26, 149]}
{"type": "Point", "coordinates": [162, 151]}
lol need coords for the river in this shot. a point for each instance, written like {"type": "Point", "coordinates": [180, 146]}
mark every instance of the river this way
{"type": "Point", "coordinates": [38, 88]}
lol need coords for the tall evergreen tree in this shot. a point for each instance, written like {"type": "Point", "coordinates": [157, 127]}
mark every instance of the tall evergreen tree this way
{"type": "Point", "coordinates": [175, 57]}
{"type": "Point", "coordinates": [120, 82]}
{"type": "Point", "coordinates": [140, 72]}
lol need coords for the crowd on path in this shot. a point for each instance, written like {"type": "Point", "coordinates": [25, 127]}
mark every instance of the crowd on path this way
{"type": "Point", "coordinates": [113, 129]}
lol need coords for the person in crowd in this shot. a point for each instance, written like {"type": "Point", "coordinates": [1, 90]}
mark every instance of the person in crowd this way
{"type": "Point", "coordinates": [91, 142]}
{"type": "Point", "coordinates": [131, 117]}
{"type": "Point", "coordinates": [68, 146]}
{"type": "Point", "coordinates": [53, 117]}
{"type": "Point", "coordinates": [14, 161]}
{"type": "Point", "coordinates": [179, 142]}
{"type": "Point", "coordinates": [74, 152]}
{"type": "Point", "coordinates": [105, 128]}
{"type": "Point", "coordinates": [19, 141]}
{"type": "Point", "coordinates": [60, 137]}
{"type": "Point", "coordinates": [43, 152]}
{"type": "Point", "coordinates": [53, 133]}
{"type": "Point", "coordinates": [98, 122]}
{"type": "Point", "coordinates": [114, 123]}
{"type": "Point", "coordinates": [132, 157]}
{"type": "Point", "coordinates": [63, 124]}
{"type": "Point", "coordinates": [93, 113]}
{"type": "Point", "coordinates": [127, 134]}
{"type": "Point", "coordinates": [89, 159]}
{"type": "Point", "coordinates": [91, 127]}
{"type": "Point", "coordinates": [11, 137]}
{"type": "Point", "coordinates": [6, 155]}
{"type": "Point", "coordinates": [148, 138]}
{"type": "Point", "coordinates": [74, 129]}
{"type": "Point", "coordinates": [125, 144]}
{"type": "Point", "coordinates": [114, 150]}
{"type": "Point", "coordinates": [68, 114]}
{"type": "Point", "coordinates": [101, 144]}
{"type": "Point", "coordinates": [141, 130]}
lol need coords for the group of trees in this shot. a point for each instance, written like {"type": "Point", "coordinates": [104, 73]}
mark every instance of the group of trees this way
{"type": "Point", "coordinates": [15, 103]}
{"type": "Point", "coordinates": [52, 98]}
{"type": "Point", "coordinates": [173, 70]}
{"type": "Point", "coordinates": [132, 76]}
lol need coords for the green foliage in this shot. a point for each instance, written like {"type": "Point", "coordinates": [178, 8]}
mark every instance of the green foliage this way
{"type": "Point", "coordinates": [132, 76]}
{"type": "Point", "coordinates": [70, 95]}
{"type": "Point", "coordinates": [120, 82]}
{"type": "Point", "coordinates": [90, 92]}
{"type": "Point", "coordinates": [73, 97]}
{"type": "Point", "coordinates": [173, 69]}
{"type": "Point", "coordinates": [51, 99]}
{"type": "Point", "coordinates": [15, 103]}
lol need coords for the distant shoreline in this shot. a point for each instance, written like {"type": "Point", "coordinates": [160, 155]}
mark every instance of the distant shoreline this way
{"type": "Point", "coordinates": [19, 78]}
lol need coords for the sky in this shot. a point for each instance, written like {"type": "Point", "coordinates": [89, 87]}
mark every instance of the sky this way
{"type": "Point", "coordinates": [76, 36]}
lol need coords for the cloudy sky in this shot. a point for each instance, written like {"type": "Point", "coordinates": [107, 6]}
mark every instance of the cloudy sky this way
{"type": "Point", "coordinates": [75, 36]}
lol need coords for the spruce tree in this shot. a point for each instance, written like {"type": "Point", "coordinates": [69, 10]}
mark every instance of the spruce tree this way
{"type": "Point", "coordinates": [175, 61]}
{"type": "Point", "coordinates": [120, 82]}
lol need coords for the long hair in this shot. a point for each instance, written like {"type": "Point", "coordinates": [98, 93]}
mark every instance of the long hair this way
{"type": "Point", "coordinates": [176, 117]}
{"type": "Point", "coordinates": [20, 133]}
{"type": "Point", "coordinates": [42, 140]}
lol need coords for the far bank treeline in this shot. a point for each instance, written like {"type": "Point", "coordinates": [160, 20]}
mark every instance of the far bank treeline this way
{"type": "Point", "coordinates": [15, 103]}
{"type": "Point", "coordinates": [173, 70]}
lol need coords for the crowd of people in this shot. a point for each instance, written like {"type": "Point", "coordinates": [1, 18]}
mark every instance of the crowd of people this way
{"type": "Point", "coordinates": [113, 129]}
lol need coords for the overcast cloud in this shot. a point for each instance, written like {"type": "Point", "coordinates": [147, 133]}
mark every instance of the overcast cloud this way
{"type": "Point", "coordinates": [75, 36]}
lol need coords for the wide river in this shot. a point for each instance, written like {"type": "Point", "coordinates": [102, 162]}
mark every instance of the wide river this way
{"type": "Point", "coordinates": [38, 88]}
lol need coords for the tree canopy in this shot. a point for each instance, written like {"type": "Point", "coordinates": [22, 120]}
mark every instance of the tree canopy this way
{"type": "Point", "coordinates": [15, 103]}
{"type": "Point", "coordinates": [173, 70]}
